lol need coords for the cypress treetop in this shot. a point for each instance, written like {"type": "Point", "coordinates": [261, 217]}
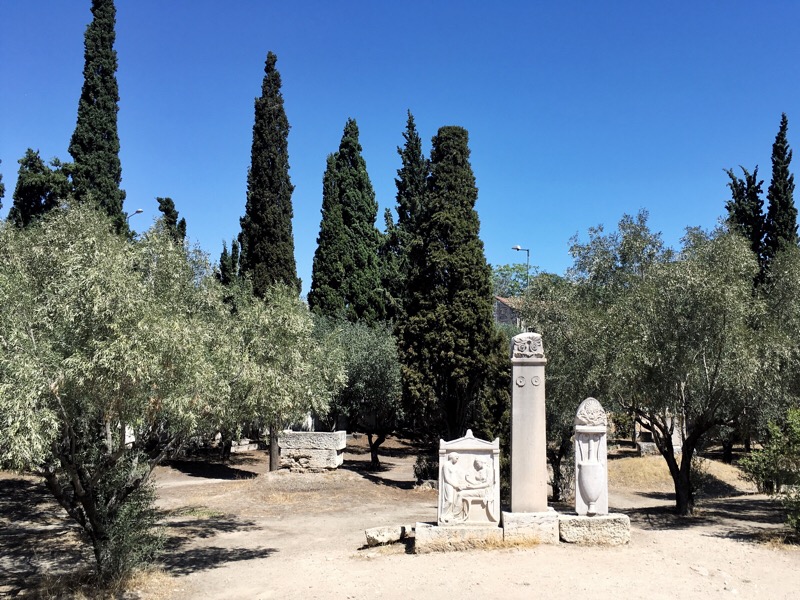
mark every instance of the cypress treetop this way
{"type": "Point", "coordinates": [746, 208]}
{"type": "Point", "coordinates": [410, 182]}
{"type": "Point", "coordinates": [38, 190]}
{"type": "Point", "coordinates": [326, 296]}
{"type": "Point", "coordinates": [97, 172]}
{"type": "Point", "coordinates": [781, 221]}
{"type": "Point", "coordinates": [447, 333]}
{"type": "Point", "coordinates": [267, 242]}
{"type": "Point", "coordinates": [176, 228]}
{"type": "Point", "coordinates": [346, 278]}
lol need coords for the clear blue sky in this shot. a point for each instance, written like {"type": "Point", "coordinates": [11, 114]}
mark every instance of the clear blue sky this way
{"type": "Point", "coordinates": [578, 111]}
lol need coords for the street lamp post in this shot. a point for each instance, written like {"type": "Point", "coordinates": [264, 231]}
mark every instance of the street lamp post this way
{"type": "Point", "coordinates": [519, 248]}
{"type": "Point", "coordinates": [138, 211]}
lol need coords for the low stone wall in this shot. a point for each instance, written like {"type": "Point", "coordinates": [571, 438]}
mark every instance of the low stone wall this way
{"type": "Point", "coordinates": [312, 450]}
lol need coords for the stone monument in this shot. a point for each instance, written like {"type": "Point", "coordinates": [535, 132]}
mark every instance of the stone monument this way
{"type": "Point", "coordinates": [312, 450]}
{"type": "Point", "coordinates": [469, 481]}
{"type": "Point", "coordinates": [591, 459]}
{"type": "Point", "coordinates": [530, 518]}
{"type": "Point", "coordinates": [592, 524]}
{"type": "Point", "coordinates": [528, 433]}
{"type": "Point", "coordinates": [468, 514]}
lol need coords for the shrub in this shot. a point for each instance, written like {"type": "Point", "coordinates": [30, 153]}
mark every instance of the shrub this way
{"type": "Point", "coordinates": [775, 469]}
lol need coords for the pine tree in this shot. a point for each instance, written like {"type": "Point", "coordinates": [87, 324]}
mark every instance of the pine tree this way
{"type": "Point", "coordinates": [781, 221]}
{"type": "Point", "coordinates": [446, 338]}
{"type": "Point", "coordinates": [94, 147]}
{"type": "Point", "coordinates": [267, 243]}
{"type": "Point", "coordinates": [746, 209]}
{"type": "Point", "coordinates": [39, 188]}
{"type": "Point", "coordinates": [176, 228]}
{"type": "Point", "coordinates": [399, 237]}
{"type": "Point", "coordinates": [345, 278]}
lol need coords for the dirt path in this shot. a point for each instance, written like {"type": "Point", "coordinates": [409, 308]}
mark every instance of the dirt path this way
{"type": "Point", "coordinates": [233, 534]}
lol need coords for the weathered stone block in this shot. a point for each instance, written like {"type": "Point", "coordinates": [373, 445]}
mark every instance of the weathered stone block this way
{"type": "Point", "coordinates": [538, 527]}
{"type": "Point", "coordinates": [601, 530]}
{"type": "Point", "coordinates": [307, 459]}
{"type": "Point", "coordinates": [388, 535]}
{"type": "Point", "coordinates": [647, 449]}
{"type": "Point", "coordinates": [431, 538]}
{"type": "Point", "coordinates": [315, 440]}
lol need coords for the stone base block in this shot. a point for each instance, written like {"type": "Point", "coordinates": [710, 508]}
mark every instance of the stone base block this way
{"type": "Point", "coordinates": [304, 459]}
{"type": "Point", "coordinates": [378, 536]}
{"type": "Point", "coordinates": [315, 440]}
{"type": "Point", "coordinates": [600, 530]}
{"type": "Point", "coordinates": [433, 538]}
{"type": "Point", "coordinates": [243, 446]}
{"type": "Point", "coordinates": [534, 528]}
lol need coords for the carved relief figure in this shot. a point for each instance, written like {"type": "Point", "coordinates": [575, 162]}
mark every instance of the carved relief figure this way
{"type": "Point", "coordinates": [452, 508]}
{"type": "Point", "coordinates": [478, 486]}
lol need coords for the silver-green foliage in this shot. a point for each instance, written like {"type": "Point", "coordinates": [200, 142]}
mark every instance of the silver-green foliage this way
{"type": "Point", "coordinates": [113, 353]}
{"type": "Point", "coordinates": [684, 350]}
{"type": "Point", "coordinates": [371, 397]}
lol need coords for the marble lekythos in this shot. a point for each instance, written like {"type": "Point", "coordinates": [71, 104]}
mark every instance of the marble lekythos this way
{"type": "Point", "coordinates": [591, 461]}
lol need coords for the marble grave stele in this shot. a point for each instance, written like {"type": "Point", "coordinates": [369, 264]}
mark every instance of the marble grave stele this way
{"type": "Point", "coordinates": [469, 482]}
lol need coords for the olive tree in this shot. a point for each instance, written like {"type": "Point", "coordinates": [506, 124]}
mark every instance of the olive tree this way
{"type": "Point", "coordinates": [684, 351]}
{"type": "Point", "coordinates": [106, 366]}
{"type": "Point", "coordinates": [283, 368]}
{"type": "Point", "coordinates": [371, 397]}
{"type": "Point", "coordinates": [114, 352]}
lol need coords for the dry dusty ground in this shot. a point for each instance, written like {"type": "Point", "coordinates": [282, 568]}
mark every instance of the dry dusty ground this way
{"type": "Point", "coordinates": [234, 531]}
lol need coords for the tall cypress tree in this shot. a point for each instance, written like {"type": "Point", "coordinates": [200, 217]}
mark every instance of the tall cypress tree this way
{"type": "Point", "coordinates": [326, 296]}
{"type": "Point", "coordinates": [267, 242]}
{"type": "Point", "coordinates": [176, 228]}
{"type": "Point", "coordinates": [410, 182]}
{"type": "Point", "coordinates": [94, 147]}
{"type": "Point", "coordinates": [345, 280]}
{"type": "Point", "coordinates": [746, 210]}
{"type": "Point", "coordinates": [39, 188]}
{"type": "Point", "coordinates": [781, 221]}
{"type": "Point", "coordinates": [446, 337]}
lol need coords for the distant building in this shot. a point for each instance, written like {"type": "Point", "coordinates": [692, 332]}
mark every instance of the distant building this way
{"type": "Point", "coordinates": [506, 311]}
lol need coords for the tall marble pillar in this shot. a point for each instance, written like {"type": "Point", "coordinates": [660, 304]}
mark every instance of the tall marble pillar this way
{"type": "Point", "coordinates": [528, 432]}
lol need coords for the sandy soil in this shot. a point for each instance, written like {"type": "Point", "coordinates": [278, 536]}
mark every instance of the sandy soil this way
{"type": "Point", "coordinates": [236, 531]}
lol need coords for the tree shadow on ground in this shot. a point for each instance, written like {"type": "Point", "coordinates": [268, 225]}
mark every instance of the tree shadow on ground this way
{"type": "Point", "coordinates": [374, 475]}
{"type": "Point", "coordinates": [742, 516]}
{"type": "Point", "coordinates": [183, 556]}
{"type": "Point", "coordinates": [659, 518]}
{"type": "Point", "coordinates": [194, 560]}
{"type": "Point", "coordinates": [391, 452]}
{"type": "Point", "coordinates": [212, 470]}
{"type": "Point", "coordinates": [37, 538]}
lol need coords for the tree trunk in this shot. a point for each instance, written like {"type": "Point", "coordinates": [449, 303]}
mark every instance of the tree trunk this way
{"type": "Point", "coordinates": [684, 490]}
{"type": "Point", "coordinates": [274, 451]}
{"type": "Point", "coordinates": [375, 463]}
{"type": "Point", "coordinates": [556, 457]}
{"type": "Point", "coordinates": [684, 496]}
{"type": "Point", "coordinates": [727, 451]}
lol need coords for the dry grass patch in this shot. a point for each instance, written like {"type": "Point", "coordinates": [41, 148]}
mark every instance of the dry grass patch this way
{"type": "Point", "coordinates": [640, 473]}
{"type": "Point", "coordinates": [650, 473]}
